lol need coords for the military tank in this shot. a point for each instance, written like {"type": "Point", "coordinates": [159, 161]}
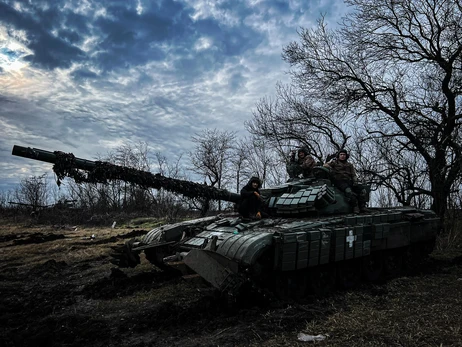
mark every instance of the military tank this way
{"type": "Point", "coordinates": [310, 241]}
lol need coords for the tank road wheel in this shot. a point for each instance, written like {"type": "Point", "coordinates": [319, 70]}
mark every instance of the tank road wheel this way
{"type": "Point", "coordinates": [373, 267]}
{"type": "Point", "coordinates": [348, 273]}
{"type": "Point", "coordinates": [321, 280]}
{"type": "Point", "coordinates": [393, 262]}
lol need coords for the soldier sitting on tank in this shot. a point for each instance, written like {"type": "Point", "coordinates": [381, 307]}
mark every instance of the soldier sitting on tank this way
{"type": "Point", "coordinates": [251, 201]}
{"type": "Point", "coordinates": [344, 177]}
{"type": "Point", "coordinates": [301, 166]}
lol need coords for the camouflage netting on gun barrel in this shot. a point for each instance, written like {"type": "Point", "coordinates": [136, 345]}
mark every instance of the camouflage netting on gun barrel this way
{"type": "Point", "coordinates": [65, 166]}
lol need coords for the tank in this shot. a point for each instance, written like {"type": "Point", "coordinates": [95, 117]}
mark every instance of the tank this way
{"type": "Point", "coordinates": [308, 242]}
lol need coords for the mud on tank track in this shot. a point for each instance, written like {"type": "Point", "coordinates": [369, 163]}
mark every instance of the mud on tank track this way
{"type": "Point", "coordinates": [58, 288]}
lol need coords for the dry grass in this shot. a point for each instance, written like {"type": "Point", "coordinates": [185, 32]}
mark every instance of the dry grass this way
{"type": "Point", "coordinates": [64, 290]}
{"type": "Point", "coordinates": [74, 247]}
{"type": "Point", "coordinates": [451, 237]}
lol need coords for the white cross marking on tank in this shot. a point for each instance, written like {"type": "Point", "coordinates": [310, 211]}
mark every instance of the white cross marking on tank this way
{"type": "Point", "coordinates": [350, 238]}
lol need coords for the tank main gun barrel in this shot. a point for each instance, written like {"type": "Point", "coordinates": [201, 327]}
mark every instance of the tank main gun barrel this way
{"type": "Point", "coordinates": [49, 157]}
{"type": "Point", "coordinates": [83, 170]}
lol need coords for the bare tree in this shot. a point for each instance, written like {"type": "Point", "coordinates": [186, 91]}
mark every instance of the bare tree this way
{"type": "Point", "coordinates": [5, 198]}
{"type": "Point", "coordinates": [239, 161]}
{"type": "Point", "coordinates": [297, 120]}
{"type": "Point", "coordinates": [211, 157]}
{"type": "Point", "coordinates": [393, 68]}
{"type": "Point", "coordinates": [116, 195]}
{"type": "Point", "coordinates": [397, 176]}
{"type": "Point", "coordinates": [169, 204]}
{"type": "Point", "coordinates": [33, 191]}
{"type": "Point", "coordinates": [86, 194]}
{"type": "Point", "coordinates": [262, 160]}
{"type": "Point", "coordinates": [136, 156]}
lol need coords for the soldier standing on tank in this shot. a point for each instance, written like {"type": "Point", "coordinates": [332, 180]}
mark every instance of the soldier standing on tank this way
{"type": "Point", "coordinates": [251, 200]}
{"type": "Point", "coordinates": [301, 166]}
{"type": "Point", "coordinates": [344, 177]}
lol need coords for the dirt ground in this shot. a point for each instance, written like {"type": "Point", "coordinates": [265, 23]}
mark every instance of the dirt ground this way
{"type": "Point", "coordinates": [58, 288]}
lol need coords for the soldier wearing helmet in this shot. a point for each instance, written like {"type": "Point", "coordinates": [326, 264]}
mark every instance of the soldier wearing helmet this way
{"type": "Point", "coordinates": [344, 177]}
{"type": "Point", "coordinates": [302, 165]}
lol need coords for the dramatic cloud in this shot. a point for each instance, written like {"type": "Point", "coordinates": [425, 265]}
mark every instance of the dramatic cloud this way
{"type": "Point", "coordinates": [85, 76]}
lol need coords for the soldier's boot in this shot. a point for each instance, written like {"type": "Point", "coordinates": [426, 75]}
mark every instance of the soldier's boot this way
{"type": "Point", "coordinates": [352, 200]}
{"type": "Point", "coordinates": [362, 201]}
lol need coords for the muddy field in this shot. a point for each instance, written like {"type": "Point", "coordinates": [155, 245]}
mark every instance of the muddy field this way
{"type": "Point", "coordinates": [58, 288]}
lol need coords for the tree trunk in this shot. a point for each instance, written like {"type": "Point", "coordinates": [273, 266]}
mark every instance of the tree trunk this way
{"type": "Point", "coordinates": [440, 199]}
{"type": "Point", "coordinates": [440, 193]}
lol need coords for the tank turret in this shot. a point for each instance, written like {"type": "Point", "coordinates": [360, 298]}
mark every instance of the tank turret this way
{"type": "Point", "coordinates": [308, 241]}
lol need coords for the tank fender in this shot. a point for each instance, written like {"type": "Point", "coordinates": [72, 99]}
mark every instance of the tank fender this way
{"type": "Point", "coordinates": [245, 248]}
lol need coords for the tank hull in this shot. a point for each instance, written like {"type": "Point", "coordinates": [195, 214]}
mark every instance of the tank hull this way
{"type": "Point", "coordinates": [297, 256]}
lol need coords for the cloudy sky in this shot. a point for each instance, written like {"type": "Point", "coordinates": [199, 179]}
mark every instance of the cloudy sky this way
{"type": "Point", "coordinates": [85, 76]}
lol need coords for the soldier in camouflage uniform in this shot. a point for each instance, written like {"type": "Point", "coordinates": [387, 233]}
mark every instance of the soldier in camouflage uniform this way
{"type": "Point", "coordinates": [344, 177]}
{"type": "Point", "coordinates": [303, 166]}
